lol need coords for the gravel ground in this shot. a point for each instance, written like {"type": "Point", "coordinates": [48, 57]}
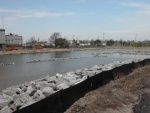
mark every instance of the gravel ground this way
{"type": "Point", "coordinates": [129, 94]}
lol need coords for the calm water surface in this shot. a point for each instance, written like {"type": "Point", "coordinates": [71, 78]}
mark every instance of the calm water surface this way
{"type": "Point", "coordinates": [21, 72]}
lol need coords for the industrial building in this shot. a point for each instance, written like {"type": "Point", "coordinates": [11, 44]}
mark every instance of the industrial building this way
{"type": "Point", "coordinates": [10, 40]}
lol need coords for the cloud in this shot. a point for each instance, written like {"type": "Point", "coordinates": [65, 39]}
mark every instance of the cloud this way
{"type": "Point", "coordinates": [33, 14]}
{"type": "Point", "coordinates": [142, 8]}
{"type": "Point", "coordinates": [145, 12]}
{"type": "Point", "coordinates": [13, 15]}
{"type": "Point", "coordinates": [40, 14]}
{"type": "Point", "coordinates": [8, 11]}
{"type": "Point", "coordinates": [133, 4]}
{"type": "Point", "coordinates": [113, 1]}
{"type": "Point", "coordinates": [81, 1]}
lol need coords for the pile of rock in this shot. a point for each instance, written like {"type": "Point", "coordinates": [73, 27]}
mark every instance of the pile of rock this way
{"type": "Point", "coordinates": [20, 96]}
{"type": "Point", "coordinates": [11, 63]}
{"type": "Point", "coordinates": [134, 52]}
{"type": "Point", "coordinates": [53, 59]}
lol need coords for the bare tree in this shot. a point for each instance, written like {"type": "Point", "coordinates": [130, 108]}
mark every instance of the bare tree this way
{"type": "Point", "coordinates": [32, 40]}
{"type": "Point", "coordinates": [54, 36]}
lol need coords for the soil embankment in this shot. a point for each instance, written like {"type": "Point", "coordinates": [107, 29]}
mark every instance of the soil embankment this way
{"type": "Point", "coordinates": [45, 50]}
{"type": "Point", "coordinates": [129, 94]}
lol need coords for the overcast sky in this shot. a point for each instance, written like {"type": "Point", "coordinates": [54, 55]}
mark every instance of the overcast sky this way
{"type": "Point", "coordinates": [83, 19]}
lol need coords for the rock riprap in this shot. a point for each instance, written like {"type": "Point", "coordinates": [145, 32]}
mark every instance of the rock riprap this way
{"type": "Point", "coordinates": [23, 95]}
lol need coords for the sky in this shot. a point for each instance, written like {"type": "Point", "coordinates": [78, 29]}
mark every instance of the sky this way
{"type": "Point", "coordinates": [79, 19]}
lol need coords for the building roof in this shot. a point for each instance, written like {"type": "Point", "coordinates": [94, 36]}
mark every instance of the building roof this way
{"type": "Point", "coordinates": [2, 29]}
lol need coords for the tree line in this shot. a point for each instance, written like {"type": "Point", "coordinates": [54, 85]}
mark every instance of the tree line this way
{"type": "Point", "coordinates": [56, 40]}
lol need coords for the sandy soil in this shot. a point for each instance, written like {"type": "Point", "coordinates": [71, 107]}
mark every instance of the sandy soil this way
{"type": "Point", "coordinates": [118, 96]}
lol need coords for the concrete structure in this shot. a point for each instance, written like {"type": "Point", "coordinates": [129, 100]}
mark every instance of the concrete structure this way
{"type": "Point", "coordinates": [2, 37]}
{"type": "Point", "coordinates": [12, 39]}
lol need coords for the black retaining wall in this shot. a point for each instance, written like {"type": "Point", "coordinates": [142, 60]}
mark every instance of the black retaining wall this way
{"type": "Point", "coordinates": [63, 99]}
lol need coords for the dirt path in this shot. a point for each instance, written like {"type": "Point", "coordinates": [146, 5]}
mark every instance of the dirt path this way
{"type": "Point", "coordinates": [118, 96]}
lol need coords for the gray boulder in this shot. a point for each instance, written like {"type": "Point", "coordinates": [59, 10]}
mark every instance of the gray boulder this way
{"type": "Point", "coordinates": [52, 85]}
{"type": "Point", "coordinates": [7, 97]}
{"type": "Point", "coordinates": [24, 89]}
{"type": "Point", "coordinates": [6, 109]}
{"type": "Point", "coordinates": [51, 78]}
{"type": "Point", "coordinates": [41, 84]}
{"type": "Point", "coordinates": [27, 84]}
{"type": "Point", "coordinates": [28, 104]}
{"type": "Point", "coordinates": [63, 85]}
{"type": "Point", "coordinates": [21, 86]}
{"type": "Point", "coordinates": [4, 102]}
{"type": "Point", "coordinates": [72, 82]}
{"type": "Point", "coordinates": [78, 72]}
{"type": "Point", "coordinates": [106, 68]}
{"type": "Point", "coordinates": [9, 92]}
{"type": "Point", "coordinates": [58, 75]}
{"type": "Point", "coordinates": [18, 91]}
{"type": "Point", "coordinates": [38, 87]}
{"type": "Point", "coordinates": [31, 90]}
{"type": "Point", "coordinates": [38, 95]}
{"type": "Point", "coordinates": [48, 91]}
{"type": "Point", "coordinates": [17, 100]}
{"type": "Point", "coordinates": [61, 80]}
{"type": "Point", "coordinates": [25, 98]}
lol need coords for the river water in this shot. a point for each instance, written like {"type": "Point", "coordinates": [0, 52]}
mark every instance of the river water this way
{"type": "Point", "coordinates": [21, 71]}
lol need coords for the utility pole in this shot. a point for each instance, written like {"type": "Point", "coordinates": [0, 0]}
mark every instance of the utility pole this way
{"type": "Point", "coordinates": [103, 36]}
{"type": "Point", "coordinates": [135, 37]}
{"type": "Point", "coordinates": [73, 37]}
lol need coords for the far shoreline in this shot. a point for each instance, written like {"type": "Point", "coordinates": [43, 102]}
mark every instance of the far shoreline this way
{"type": "Point", "coordinates": [44, 50]}
{"type": "Point", "coordinates": [52, 50]}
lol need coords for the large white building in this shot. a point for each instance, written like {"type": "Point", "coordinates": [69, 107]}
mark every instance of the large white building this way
{"type": "Point", "coordinates": [10, 40]}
